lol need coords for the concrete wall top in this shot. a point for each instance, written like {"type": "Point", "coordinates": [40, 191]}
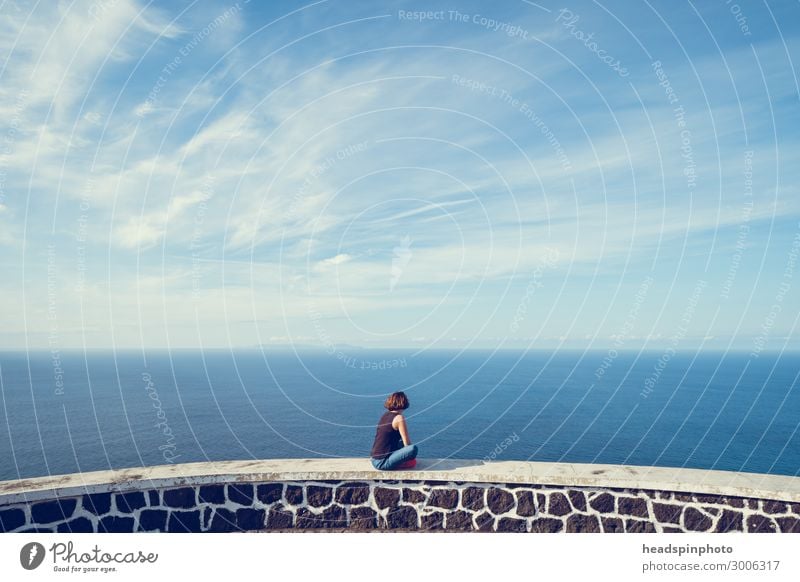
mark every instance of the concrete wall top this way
{"type": "Point", "coordinates": [752, 485]}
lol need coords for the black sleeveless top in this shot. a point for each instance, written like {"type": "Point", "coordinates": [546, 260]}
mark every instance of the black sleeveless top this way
{"type": "Point", "coordinates": [387, 439]}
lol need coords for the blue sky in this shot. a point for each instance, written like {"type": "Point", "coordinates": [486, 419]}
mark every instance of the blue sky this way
{"type": "Point", "coordinates": [511, 174]}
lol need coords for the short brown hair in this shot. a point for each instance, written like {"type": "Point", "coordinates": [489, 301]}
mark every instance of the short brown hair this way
{"type": "Point", "coordinates": [397, 401]}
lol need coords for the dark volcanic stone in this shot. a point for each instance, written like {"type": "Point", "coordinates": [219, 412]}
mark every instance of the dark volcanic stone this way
{"type": "Point", "coordinates": [319, 496]}
{"type": "Point", "coordinates": [578, 499]}
{"type": "Point", "coordinates": [752, 503]}
{"type": "Point", "coordinates": [113, 524]}
{"type": "Point", "coordinates": [306, 519]}
{"type": "Point", "coordinates": [525, 505]}
{"type": "Point", "coordinates": [279, 518]}
{"type": "Point", "coordinates": [363, 518]}
{"type": "Point", "coordinates": [413, 496]}
{"type": "Point", "coordinates": [11, 519]}
{"type": "Point", "coordinates": [40, 529]}
{"type": "Point", "coordinates": [668, 529]}
{"type": "Point", "coordinates": [153, 520]}
{"type": "Point", "coordinates": [703, 498]}
{"type": "Point", "coordinates": [685, 497]}
{"type": "Point", "coordinates": [667, 513]}
{"type": "Point", "coordinates": [334, 516]}
{"type": "Point", "coordinates": [385, 497]}
{"type": "Point", "coordinates": [788, 524]}
{"type": "Point", "coordinates": [632, 506]}
{"type": "Point", "coordinates": [472, 498]}
{"type": "Point", "coordinates": [224, 520]}
{"type": "Point", "coordinates": [484, 521]}
{"type": "Point", "coordinates": [445, 498]}
{"type": "Point", "coordinates": [183, 497]}
{"type": "Point", "coordinates": [771, 506]}
{"type": "Point", "coordinates": [459, 520]}
{"type": "Point", "coordinates": [579, 523]}
{"type": "Point", "coordinates": [50, 511]}
{"type": "Point", "coordinates": [796, 508]}
{"type": "Point", "coordinates": [153, 498]}
{"type": "Point", "coordinates": [693, 520]}
{"type": "Point", "coordinates": [184, 521]}
{"type": "Point", "coordinates": [432, 521]}
{"type": "Point", "coordinates": [294, 495]}
{"type": "Point", "coordinates": [499, 500]}
{"type": "Point", "coordinates": [129, 502]}
{"type": "Point", "coordinates": [269, 492]}
{"type": "Point", "coordinates": [559, 504]}
{"type": "Point", "coordinates": [612, 525]}
{"type": "Point", "coordinates": [352, 493]}
{"type": "Point", "coordinates": [77, 525]}
{"type": "Point", "coordinates": [729, 521]}
{"type": "Point", "coordinates": [207, 513]}
{"type": "Point", "coordinates": [639, 526]}
{"type": "Point", "coordinates": [212, 494]}
{"type": "Point", "coordinates": [249, 519]}
{"type": "Point", "coordinates": [737, 502]}
{"type": "Point", "coordinates": [760, 524]}
{"type": "Point", "coordinates": [97, 503]}
{"type": "Point", "coordinates": [241, 493]}
{"type": "Point", "coordinates": [403, 517]}
{"type": "Point", "coordinates": [711, 510]}
{"type": "Point", "coordinates": [603, 503]}
{"type": "Point", "coordinates": [541, 502]}
{"type": "Point", "coordinates": [546, 525]}
{"type": "Point", "coordinates": [512, 524]}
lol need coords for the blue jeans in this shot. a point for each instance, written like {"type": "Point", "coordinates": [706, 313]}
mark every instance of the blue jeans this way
{"type": "Point", "coordinates": [398, 457]}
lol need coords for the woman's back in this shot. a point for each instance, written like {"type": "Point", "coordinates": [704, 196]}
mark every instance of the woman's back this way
{"type": "Point", "coordinates": [387, 438]}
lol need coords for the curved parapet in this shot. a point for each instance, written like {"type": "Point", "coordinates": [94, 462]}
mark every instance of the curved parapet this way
{"type": "Point", "coordinates": [448, 495]}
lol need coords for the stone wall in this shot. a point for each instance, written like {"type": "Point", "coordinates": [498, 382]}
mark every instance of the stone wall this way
{"type": "Point", "coordinates": [397, 505]}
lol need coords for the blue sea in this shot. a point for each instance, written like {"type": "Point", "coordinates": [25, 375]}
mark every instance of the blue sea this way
{"type": "Point", "coordinates": [74, 411]}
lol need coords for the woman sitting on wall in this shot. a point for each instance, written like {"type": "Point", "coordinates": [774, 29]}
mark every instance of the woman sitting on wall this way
{"type": "Point", "coordinates": [392, 448]}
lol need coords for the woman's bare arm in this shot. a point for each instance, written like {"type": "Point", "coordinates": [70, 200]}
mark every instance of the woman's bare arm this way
{"type": "Point", "coordinates": [401, 426]}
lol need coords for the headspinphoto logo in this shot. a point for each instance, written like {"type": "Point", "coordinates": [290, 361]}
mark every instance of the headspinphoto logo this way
{"type": "Point", "coordinates": [31, 555]}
